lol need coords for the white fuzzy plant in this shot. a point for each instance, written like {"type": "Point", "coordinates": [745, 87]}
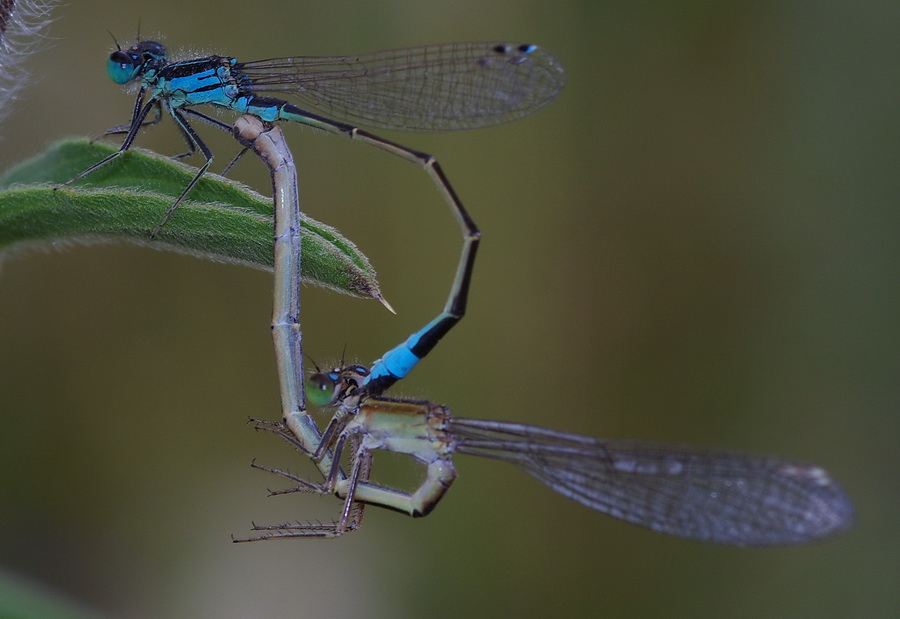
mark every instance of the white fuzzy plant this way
{"type": "Point", "coordinates": [23, 24]}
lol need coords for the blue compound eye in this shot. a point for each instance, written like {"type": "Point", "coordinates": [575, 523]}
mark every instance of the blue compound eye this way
{"type": "Point", "coordinates": [122, 67]}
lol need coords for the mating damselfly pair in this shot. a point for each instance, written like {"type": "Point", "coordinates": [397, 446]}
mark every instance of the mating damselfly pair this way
{"type": "Point", "coordinates": [690, 492]}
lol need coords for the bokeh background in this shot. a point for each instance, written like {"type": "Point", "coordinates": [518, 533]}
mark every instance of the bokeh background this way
{"type": "Point", "coordinates": [696, 243]}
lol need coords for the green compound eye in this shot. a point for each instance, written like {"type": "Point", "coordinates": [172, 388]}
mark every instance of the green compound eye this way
{"type": "Point", "coordinates": [321, 388]}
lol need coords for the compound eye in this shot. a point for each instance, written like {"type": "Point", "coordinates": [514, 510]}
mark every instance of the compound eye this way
{"type": "Point", "coordinates": [321, 388]}
{"type": "Point", "coordinates": [122, 67]}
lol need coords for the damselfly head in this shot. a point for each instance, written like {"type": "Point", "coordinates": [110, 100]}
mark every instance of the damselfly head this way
{"type": "Point", "coordinates": [331, 387]}
{"type": "Point", "coordinates": [125, 65]}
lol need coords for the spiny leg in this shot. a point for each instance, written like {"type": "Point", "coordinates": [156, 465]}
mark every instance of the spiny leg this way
{"type": "Point", "coordinates": [119, 129]}
{"type": "Point", "coordinates": [279, 429]}
{"type": "Point", "coordinates": [140, 113]}
{"type": "Point", "coordinates": [157, 118]}
{"type": "Point", "coordinates": [218, 124]}
{"type": "Point", "coordinates": [303, 485]}
{"type": "Point", "coordinates": [191, 135]}
{"type": "Point", "coordinates": [191, 138]}
{"type": "Point", "coordinates": [330, 444]}
{"type": "Point", "coordinates": [351, 514]}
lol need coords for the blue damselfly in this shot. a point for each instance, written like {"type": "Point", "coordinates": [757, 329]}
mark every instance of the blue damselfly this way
{"type": "Point", "coordinates": [433, 88]}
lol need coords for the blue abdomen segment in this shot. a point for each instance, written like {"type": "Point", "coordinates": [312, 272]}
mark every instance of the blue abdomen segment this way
{"type": "Point", "coordinates": [399, 361]}
{"type": "Point", "coordinates": [395, 364]}
{"type": "Point", "coordinates": [266, 108]}
{"type": "Point", "coordinates": [271, 109]}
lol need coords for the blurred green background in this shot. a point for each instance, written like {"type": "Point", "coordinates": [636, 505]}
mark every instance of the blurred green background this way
{"type": "Point", "coordinates": [696, 243]}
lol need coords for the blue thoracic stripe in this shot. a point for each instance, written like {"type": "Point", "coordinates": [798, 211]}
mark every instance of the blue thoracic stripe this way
{"type": "Point", "coordinates": [208, 82]}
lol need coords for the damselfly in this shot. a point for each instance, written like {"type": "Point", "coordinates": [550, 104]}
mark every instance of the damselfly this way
{"type": "Point", "coordinates": [432, 88]}
{"type": "Point", "coordinates": [716, 496]}
{"type": "Point", "coordinates": [691, 492]}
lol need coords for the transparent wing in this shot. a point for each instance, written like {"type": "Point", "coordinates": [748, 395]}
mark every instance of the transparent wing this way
{"type": "Point", "coordinates": [715, 496]}
{"type": "Point", "coordinates": [433, 88]}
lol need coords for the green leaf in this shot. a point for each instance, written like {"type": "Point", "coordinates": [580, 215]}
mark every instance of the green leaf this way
{"type": "Point", "coordinates": [124, 200]}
